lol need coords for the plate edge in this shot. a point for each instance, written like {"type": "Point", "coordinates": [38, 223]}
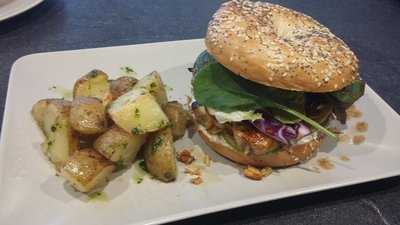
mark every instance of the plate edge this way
{"type": "Point", "coordinates": [264, 199]}
{"type": "Point", "coordinates": [73, 51]}
{"type": "Point", "coordinates": [23, 10]}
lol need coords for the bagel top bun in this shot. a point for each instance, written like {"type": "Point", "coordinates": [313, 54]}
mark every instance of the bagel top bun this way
{"type": "Point", "coordinates": [279, 47]}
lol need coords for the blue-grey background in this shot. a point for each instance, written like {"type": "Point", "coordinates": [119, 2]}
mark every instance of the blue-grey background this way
{"type": "Point", "coordinates": [370, 27]}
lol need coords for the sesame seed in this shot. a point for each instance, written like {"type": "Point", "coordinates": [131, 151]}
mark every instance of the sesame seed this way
{"type": "Point", "coordinates": [313, 48]}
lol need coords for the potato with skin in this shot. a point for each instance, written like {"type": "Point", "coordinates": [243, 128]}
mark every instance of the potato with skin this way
{"type": "Point", "coordinates": [88, 115]}
{"type": "Point", "coordinates": [87, 169]}
{"type": "Point", "coordinates": [122, 85]}
{"type": "Point", "coordinates": [159, 155]}
{"type": "Point", "coordinates": [153, 83]}
{"type": "Point", "coordinates": [178, 117]}
{"type": "Point", "coordinates": [94, 84]}
{"type": "Point", "coordinates": [119, 146]}
{"type": "Point", "coordinates": [52, 116]}
{"type": "Point", "coordinates": [138, 112]}
{"type": "Point", "coordinates": [38, 110]}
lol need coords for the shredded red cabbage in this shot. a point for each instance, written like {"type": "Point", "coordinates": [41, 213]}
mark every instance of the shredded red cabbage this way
{"type": "Point", "coordinates": [283, 133]}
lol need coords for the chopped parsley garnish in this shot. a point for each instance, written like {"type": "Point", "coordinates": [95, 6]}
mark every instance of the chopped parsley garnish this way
{"type": "Point", "coordinates": [93, 73]}
{"type": "Point", "coordinates": [94, 194]}
{"type": "Point", "coordinates": [49, 143]}
{"type": "Point", "coordinates": [142, 165]}
{"type": "Point", "coordinates": [168, 88]}
{"type": "Point", "coordinates": [137, 113]}
{"type": "Point", "coordinates": [119, 165]}
{"type": "Point", "coordinates": [136, 131]}
{"type": "Point", "coordinates": [139, 171]}
{"type": "Point", "coordinates": [157, 144]}
{"type": "Point", "coordinates": [128, 70]}
{"type": "Point", "coordinates": [162, 124]}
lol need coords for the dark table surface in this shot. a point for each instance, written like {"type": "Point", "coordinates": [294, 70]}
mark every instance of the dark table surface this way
{"type": "Point", "coordinates": [370, 27]}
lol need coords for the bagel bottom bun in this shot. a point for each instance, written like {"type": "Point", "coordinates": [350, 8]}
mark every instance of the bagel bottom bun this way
{"type": "Point", "coordinates": [288, 156]}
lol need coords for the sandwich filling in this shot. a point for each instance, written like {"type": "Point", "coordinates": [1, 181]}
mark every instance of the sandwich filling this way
{"type": "Point", "coordinates": [258, 119]}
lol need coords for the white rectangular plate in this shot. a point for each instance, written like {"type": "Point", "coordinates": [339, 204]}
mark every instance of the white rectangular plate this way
{"type": "Point", "coordinates": [30, 193]}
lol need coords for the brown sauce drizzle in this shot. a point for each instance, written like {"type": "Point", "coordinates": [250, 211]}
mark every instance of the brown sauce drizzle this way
{"type": "Point", "coordinates": [353, 112]}
{"type": "Point", "coordinates": [362, 127]}
{"type": "Point", "coordinates": [344, 138]}
{"type": "Point", "coordinates": [325, 164]}
{"type": "Point", "coordinates": [358, 139]}
{"type": "Point", "coordinates": [344, 158]}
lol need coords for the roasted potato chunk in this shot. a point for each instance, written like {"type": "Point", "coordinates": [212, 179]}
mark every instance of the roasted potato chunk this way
{"type": "Point", "coordinates": [178, 117]}
{"type": "Point", "coordinates": [94, 84]}
{"type": "Point", "coordinates": [88, 115]}
{"type": "Point", "coordinates": [87, 169]}
{"type": "Point", "coordinates": [38, 111]}
{"type": "Point", "coordinates": [159, 155]}
{"type": "Point", "coordinates": [138, 112]}
{"type": "Point", "coordinates": [52, 116]}
{"type": "Point", "coordinates": [155, 86]}
{"type": "Point", "coordinates": [122, 85]}
{"type": "Point", "coordinates": [119, 146]}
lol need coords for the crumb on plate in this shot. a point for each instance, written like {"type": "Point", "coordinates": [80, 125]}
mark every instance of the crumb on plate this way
{"type": "Point", "coordinates": [193, 171]}
{"type": "Point", "coordinates": [256, 174]}
{"type": "Point", "coordinates": [362, 127]}
{"type": "Point", "coordinates": [344, 158]}
{"type": "Point", "coordinates": [335, 130]}
{"type": "Point", "coordinates": [188, 102]}
{"type": "Point", "coordinates": [358, 139]}
{"type": "Point", "coordinates": [353, 112]}
{"type": "Point", "coordinates": [344, 138]}
{"type": "Point", "coordinates": [207, 160]}
{"type": "Point", "coordinates": [196, 180]}
{"type": "Point", "coordinates": [325, 163]}
{"type": "Point", "coordinates": [185, 157]}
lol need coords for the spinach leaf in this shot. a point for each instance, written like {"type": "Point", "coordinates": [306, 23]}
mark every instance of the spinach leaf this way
{"type": "Point", "coordinates": [220, 92]}
{"type": "Point", "coordinates": [203, 59]}
{"type": "Point", "coordinates": [349, 94]}
{"type": "Point", "coordinates": [217, 87]}
{"type": "Point", "coordinates": [292, 99]}
{"type": "Point", "coordinates": [345, 97]}
{"type": "Point", "coordinates": [340, 113]}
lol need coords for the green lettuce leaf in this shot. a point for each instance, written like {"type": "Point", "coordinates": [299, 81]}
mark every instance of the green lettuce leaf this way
{"type": "Point", "coordinates": [349, 94]}
{"type": "Point", "coordinates": [203, 59]}
{"type": "Point", "coordinates": [220, 92]}
{"type": "Point", "coordinates": [345, 97]}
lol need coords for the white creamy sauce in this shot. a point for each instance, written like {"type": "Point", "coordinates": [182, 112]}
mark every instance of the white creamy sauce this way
{"type": "Point", "coordinates": [237, 116]}
{"type": "Point", "coordinates": [214, 138]}
{"type": "Point", "coordinates": [308, 138]}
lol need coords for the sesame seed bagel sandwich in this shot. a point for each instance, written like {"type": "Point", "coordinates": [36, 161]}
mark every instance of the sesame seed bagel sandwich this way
{"type": "Point", "coordinates": [269, 82]}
